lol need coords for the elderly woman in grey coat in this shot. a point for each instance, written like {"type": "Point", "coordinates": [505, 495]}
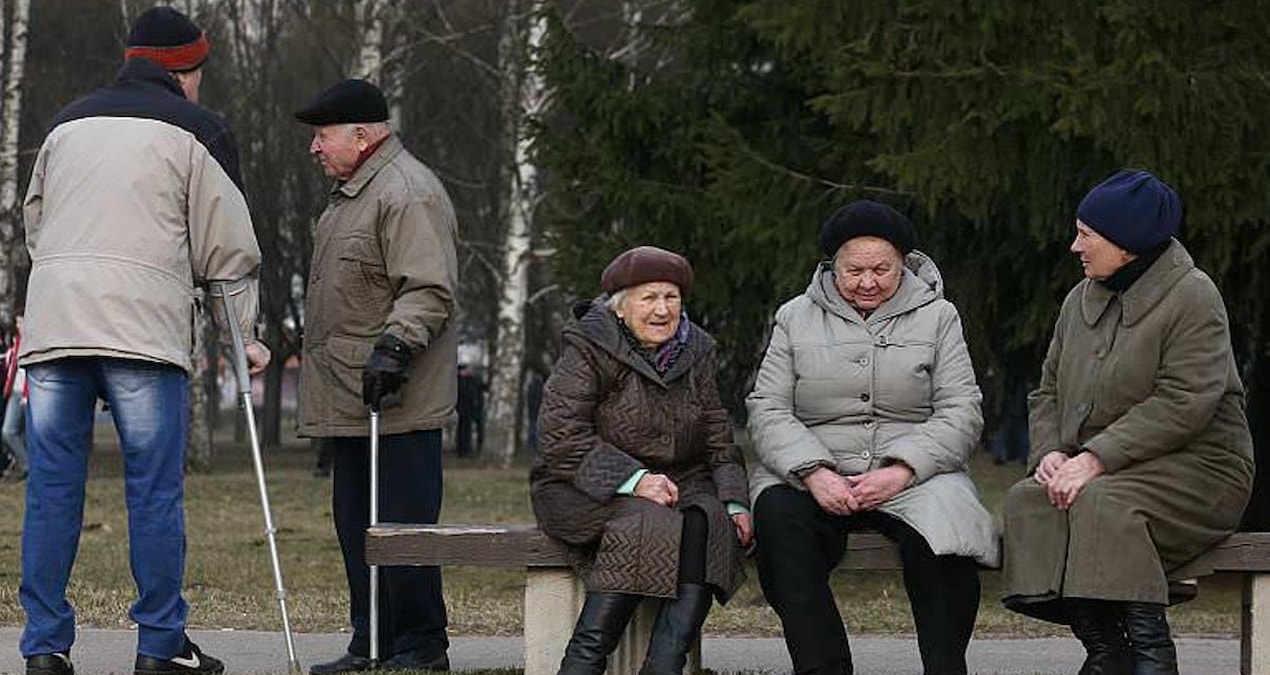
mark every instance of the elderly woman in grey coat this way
{"type": "Point", "coordinates": [863, 415]}
{"type": "Point", "coordinates": [638, 469]}
{"type": "Point", "coordinates": [1141, 456]}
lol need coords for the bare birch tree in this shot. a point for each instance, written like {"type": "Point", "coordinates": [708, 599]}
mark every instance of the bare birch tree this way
{"type": "Point", "coordinates": [523, 98]}
{"type": "Point", "coordinates": [11, 247]}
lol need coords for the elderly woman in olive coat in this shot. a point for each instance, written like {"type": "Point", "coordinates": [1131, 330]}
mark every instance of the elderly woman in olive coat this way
{"type": "Point", "coordinates": [864, 414]}
{"type": "Point", "coordinates": [638, 468]}
{"type": "Point", "coordinates": [1141, 456]}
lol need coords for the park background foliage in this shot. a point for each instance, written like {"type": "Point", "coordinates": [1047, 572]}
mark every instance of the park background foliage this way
{"type": "Point", "coordinates": [727, 130]}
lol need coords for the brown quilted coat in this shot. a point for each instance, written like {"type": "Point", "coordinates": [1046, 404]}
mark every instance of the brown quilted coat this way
{"type": "Point", "coordinates": [607, 413]}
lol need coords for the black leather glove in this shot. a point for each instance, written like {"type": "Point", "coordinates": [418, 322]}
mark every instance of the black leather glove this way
{"type": "Point", "coordinates": [385, 371]}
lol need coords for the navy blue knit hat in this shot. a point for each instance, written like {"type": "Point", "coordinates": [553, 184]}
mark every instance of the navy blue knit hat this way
{"type": "Point", "coordinates": [168, 38]}
{"type": "Point", "coordinates": [1133, 209]}
{"type": "Point", "coordinates": [867, 218]}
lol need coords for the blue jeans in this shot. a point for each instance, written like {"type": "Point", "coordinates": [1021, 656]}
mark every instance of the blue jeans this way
{"type": "Point", "coordinates": [11, 432]}
{"type": "Point", "coordinates": [149, 403]}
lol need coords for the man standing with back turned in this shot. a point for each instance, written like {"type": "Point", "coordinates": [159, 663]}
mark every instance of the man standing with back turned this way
{"type": "Point", "coordinates": [134, 199]}
{"type": "Point", "coordinates": [379, 332]}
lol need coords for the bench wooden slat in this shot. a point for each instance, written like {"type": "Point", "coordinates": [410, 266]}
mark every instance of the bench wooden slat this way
{"type": "Point", "coordinates": [1240, 552]}
{"type": "Point", "coordinates": [511, 546]}
{"type": "Point", "coordinates": [515, 546]}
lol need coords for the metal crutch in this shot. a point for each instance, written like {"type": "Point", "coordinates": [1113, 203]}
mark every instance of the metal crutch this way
{"type": "Point", "coordinates": [222, 290]}
{"type": "Point", "coordinates": [374, 521]}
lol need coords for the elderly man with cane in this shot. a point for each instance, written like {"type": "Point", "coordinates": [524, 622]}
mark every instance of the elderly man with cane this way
{"type": "Point", "coordinates": [379, 334]}
{"type": "Point", "coordinates": [117, 248]}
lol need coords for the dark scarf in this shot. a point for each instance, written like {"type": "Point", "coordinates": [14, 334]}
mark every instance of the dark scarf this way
{"type": "Point", "coordinates": [1123, 278]}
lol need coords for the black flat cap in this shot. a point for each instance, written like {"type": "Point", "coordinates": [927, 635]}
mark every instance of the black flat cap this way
{"type": "Point", "coordinates": [348, 102]}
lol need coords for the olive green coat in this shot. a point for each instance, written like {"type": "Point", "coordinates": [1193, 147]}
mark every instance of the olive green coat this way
{"type": "Point", "coordinates": [384, 261]}
{"type": "Point", "coordinates": [1146, 380]}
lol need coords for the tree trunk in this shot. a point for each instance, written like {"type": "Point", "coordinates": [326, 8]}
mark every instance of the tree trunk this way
{"type": "Point", "coordinates": [11, 248]}
{"type": "Point", "coordinates": [524, 92]}
{"type": "Point", "coordinates": [370, 59]}
{"type": "Point", "coordinates": [271, 414]}
{"type": "Point", "coordinates": [199, 450]}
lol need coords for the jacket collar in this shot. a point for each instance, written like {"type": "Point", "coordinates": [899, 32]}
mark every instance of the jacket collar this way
{"type": "Point", "coordinates": [149, 72]}
{"type": "Point", "coordinates": [1145, 293]}
{"type": "Point", "coordinates": [597, 324]}
{"type": "Point", "coordinates": [389, 149]}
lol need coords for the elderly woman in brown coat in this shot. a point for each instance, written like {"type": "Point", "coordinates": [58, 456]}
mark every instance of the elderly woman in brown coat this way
{"type": "Point", "coordinates": [638, 468]}
{"type": "Point", "coordinates": [1141, 456]}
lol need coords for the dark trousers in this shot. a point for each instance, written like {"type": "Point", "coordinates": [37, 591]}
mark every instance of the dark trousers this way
{"type": "Point", "coordinates": [799, 544]}
{"type": "Point", "coordinates": [412, 611]}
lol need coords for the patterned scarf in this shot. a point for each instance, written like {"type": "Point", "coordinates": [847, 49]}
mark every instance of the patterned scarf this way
{"type": "Point", "coordinates": [664, 355]}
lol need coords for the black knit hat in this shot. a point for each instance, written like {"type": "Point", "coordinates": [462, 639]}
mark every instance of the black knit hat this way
{"type": "Point", "coordinates": [1133, 209]}
{"type": "Point", "coordinates": [348, 102]}
{"type": "Point", "coordinates": [643, 264]}
{"type": "Point", "coordinates": [867, 218]}
{"type": "Point", "coordinates": [169, 38]}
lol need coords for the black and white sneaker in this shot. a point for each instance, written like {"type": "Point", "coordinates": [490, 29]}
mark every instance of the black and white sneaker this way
{"type": "Point", "coordinates": [49, 664]}
{"type": "Point", "coordinates": [191, 661]}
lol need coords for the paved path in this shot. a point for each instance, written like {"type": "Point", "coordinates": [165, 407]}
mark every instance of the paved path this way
{"type": "Point", "coordinates": [99, 652]}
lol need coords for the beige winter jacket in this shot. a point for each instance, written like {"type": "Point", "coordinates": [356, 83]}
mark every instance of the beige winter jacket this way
{"type": "Point", "coordinates": [384, 261]}
{"type": "Point", "coordinates": [133, 200]}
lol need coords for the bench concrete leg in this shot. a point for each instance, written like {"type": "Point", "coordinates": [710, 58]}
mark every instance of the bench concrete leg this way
{"type": "Point", "coordinates": [553, 599]}
{"type": "Point", "coordinates": [1254, 647]}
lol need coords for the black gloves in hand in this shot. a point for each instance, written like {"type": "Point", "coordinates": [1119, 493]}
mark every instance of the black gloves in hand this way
{"type": "Point", "coordinates": [385, 371]}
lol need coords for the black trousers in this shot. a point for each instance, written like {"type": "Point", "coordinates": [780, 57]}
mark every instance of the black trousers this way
{"type": "Point", "coordinates": [799, 544]}
{"type": "Point", "coordinates": [411, 608]}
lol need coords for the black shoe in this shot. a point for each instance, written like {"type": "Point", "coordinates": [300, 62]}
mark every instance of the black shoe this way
{"type": "Point", "coordinates": [417, 659]}
{"type": "Point", "coordinates": [49, 664]}
{"type": "Point", "coordinates": [348, 663]}
{"type": "Point", "coordinates": [192, 660]}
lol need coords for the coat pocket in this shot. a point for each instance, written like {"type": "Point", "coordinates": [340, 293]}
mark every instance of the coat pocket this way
{"type": "Point", "coordinates": [362, 276]}
{"type": "Point", "coordinates": [348, 355]}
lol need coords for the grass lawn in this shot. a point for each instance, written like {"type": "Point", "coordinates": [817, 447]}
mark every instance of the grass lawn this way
{"type": "Point", "coordinates": [229, 583]}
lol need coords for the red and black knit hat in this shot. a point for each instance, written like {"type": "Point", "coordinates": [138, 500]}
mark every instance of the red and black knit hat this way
{"type": "Point", "coordinates": [169, 38]}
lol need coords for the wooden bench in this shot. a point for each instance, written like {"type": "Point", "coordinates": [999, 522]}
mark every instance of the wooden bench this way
{"type": "Point", "coordinates": [553, 594]}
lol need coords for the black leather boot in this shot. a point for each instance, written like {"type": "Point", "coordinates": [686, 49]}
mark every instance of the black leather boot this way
{"type": "Point", "coordinates": [1149, 639]}
{"type": "Point", "coordinates": [1100, 628]}
{"type": "Point", "coordinates": [600, 626]}
{"type": "Point", "coordinates": [676, 629]}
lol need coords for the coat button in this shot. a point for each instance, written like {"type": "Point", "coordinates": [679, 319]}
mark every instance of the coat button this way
{"type": "Point", "coordinates": [866, 454]}
{"type": "Point", "coordinates": [864, 397]}
{"type": "Point", "coordinates": [665, 438]}
{"type": "Point", "coordinates": [864, 360]}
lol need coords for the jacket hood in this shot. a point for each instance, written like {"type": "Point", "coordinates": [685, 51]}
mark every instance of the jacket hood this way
{"type": "Point", "coordinates": [595, 323]}
{"type": "Point", "coordinates": [920, 284]}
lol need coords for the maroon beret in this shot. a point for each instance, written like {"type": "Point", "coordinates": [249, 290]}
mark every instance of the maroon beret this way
{"type": "Point", "coordinates": [643, 264]}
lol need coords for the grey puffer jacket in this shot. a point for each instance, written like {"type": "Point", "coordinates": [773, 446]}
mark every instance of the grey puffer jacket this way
{"type": "Point", "coordinates": [860, 394]}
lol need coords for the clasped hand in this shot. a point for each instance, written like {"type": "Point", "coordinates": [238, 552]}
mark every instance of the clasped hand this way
{"type": "Point", "coordinates": [1064, 477]}
{"type": "Point", "coordinates": [658, 488]}
{"type": "Point", "coordinates": [845, 495]}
